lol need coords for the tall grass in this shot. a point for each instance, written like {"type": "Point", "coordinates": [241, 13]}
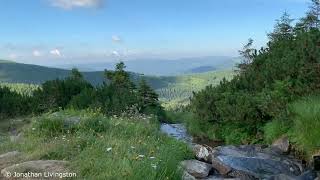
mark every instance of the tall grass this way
{"type": "Point", "coordinates": [306, 126]}
{"type": "Point", "coordinates": [302, 125]}
{"type": "Point", "coordinates": [100, 147]}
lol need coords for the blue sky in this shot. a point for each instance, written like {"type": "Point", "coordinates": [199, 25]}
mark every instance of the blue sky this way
{"type": "Point", "coordinates": [74, 31]}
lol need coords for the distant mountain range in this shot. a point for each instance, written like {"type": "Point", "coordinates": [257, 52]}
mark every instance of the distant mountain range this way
{"type": "Point", "coordinates": [163, 67]}
{"type": "Point", "coordinates": [12, 72]}
{"type": "Point", "coordinates": [201, 69]}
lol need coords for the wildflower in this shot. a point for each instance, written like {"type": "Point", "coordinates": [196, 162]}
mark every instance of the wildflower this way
{"type": "Point", "coordinates": [109, 149]}
{"type": "Point", "coordinates": [154, 166]}
{"type": "Point", "coordinates": [141, 156]}
{"type": "Point", "coordinates": [152, 157]}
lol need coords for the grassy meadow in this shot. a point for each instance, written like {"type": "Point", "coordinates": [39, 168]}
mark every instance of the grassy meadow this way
{"type": "Point", "coordinates": [100, 147]}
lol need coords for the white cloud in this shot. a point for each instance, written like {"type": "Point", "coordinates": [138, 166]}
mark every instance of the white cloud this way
{"type": "Point", "coordinates": [70, 4]}
{"type": "Point", "coordinates": [116, 39]}
{"type": "Point", "coordinates": [115, 53]}
{"type": "Point", "coordinates": [36, 53]}
{"type": "Point", "coordinates": [55, 52]}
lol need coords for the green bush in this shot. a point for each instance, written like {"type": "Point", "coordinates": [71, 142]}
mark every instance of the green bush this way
{"type": "Point", "coordinates": [13, 104]}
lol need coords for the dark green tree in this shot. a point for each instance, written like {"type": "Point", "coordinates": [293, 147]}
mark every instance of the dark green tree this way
{"type": "Point", "coordinates": [283, 29]}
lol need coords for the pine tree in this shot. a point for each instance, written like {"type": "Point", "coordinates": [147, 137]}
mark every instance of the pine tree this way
{"type": "Point", "coordinates": [283, 29]}
{"type": "Point", "coordinates": [247, 53]}
{"type": "Point", "coordinates": [312, 18]}
{"type": "Point", "coordinates": [148, 97]}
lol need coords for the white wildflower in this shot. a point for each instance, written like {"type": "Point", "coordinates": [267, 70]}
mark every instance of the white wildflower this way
{"type": "Point", "coordinates": [154, 166]}
{"type": "Point", "coordinates": [141, 156]}
{"type": "Point", "coordinates": [109, 149]}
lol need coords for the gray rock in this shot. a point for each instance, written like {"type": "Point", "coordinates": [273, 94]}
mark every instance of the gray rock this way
{"type": "Point", "coordinates": [218, 178]}
{"type": "Point", "coordinates": [10, 158]}
{"type": "Point", "coordinates": [252, 162]}
{"type": "Point", "coordinates": [282, 177]}
{"type": "Point", "coordinates": [71, 121]}
{"type": "Point", "coordinates": [187, 176]}
{"type": "Point", "coordinates": [196, 168]}
{"type": "Point", "coordinates": [51, 166]}
{"type": "Point", "coordinates": [308, 175]}
{"type": "Point", "coordinates": [220, 166]}
{"type": "Point", "coordinates": [282, 144]}
{"type": "Point", "coordinates": [203, 153]}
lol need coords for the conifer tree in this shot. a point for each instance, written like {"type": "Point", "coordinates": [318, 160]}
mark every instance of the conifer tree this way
{"type": "Point", "coordinates": [283, 29]}
{"type": "Point", "coordinates": [147, 95]}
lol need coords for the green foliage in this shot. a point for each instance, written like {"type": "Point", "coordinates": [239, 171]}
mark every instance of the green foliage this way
{"type": "Point", "coordinates": [58, 93]}
{"type": "Point", "coordinates": [268, 80]}
{"type": "Point", "coordinates": [274, 130]}
{"type": "Point", "coordinates": [23, 89]}
{"type": "Point", "coordinates": [117, 96]}
{"type": "Point", "coordinates": [13, 104]}
{"type": "Point", "coordinates": [306, 124]}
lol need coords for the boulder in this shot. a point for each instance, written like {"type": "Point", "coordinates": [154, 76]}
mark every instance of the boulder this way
{"type": "Point", "coordinates": [41, 166]}
{"type": "Point", "coordinates": [251, 162]}
{"type": "Point", "coordinates": [187, 176]}
{"type": "Point", "coordinates": [308, 175]}
{"type": "Point", "coordinates": [71, 121]}
{"type": "Point", "coordinates": [196, 168]}
{"type": "Point", "coordinates": [282, 144]}
{"type": "Point", "coordinates": [220, 166]}
{"type": "Point", "coordinates": [282, 177]}
{"type": "Point", "coordinates": [10, 158]}
{"type": "Point", "coordinates": [215, 177]}
{"type": "Point", "coordinates": [203, 153]}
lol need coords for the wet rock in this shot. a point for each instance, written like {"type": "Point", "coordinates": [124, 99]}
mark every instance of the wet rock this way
{"type": "Point", "coordinates": [215, 177]}
{"type": "Point", "coordinates": [203, 153]}
{"type": "Point", "coordinates": [282, 177]}
{"type": "Point", "coordinates": [10, 158]}
{"type": "Point", "coordinates": [196, 168]}
{"type": "Point", "coordinates": [220, 166]}
{"type": "Point", "coordinates": [251, 162]}
{"type": "Point", "coordinates": [282, 144]}
{"type": "Point", "coordinates": [187, 176]}
{"type": "Point", "coordinates": [48, 166]}
{"type": "Point", "coordinates": [308, 175]}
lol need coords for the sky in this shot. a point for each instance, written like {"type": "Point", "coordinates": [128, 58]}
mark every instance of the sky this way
{"type": "Point", "coordinates": [84, 31]}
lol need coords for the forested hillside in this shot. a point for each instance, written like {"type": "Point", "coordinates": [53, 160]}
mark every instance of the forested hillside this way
{"type": "Point", "coordinates": [258, 104]}
{"type": "Point", "coordinates": [178, 92]}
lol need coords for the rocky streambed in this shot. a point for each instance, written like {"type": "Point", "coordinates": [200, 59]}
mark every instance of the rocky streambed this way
{"type": "Point", "coordinates": [240, 162]}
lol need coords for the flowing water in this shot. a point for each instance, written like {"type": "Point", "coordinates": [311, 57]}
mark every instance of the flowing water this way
{"type": "Point", "coordinates": [177, 131]}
